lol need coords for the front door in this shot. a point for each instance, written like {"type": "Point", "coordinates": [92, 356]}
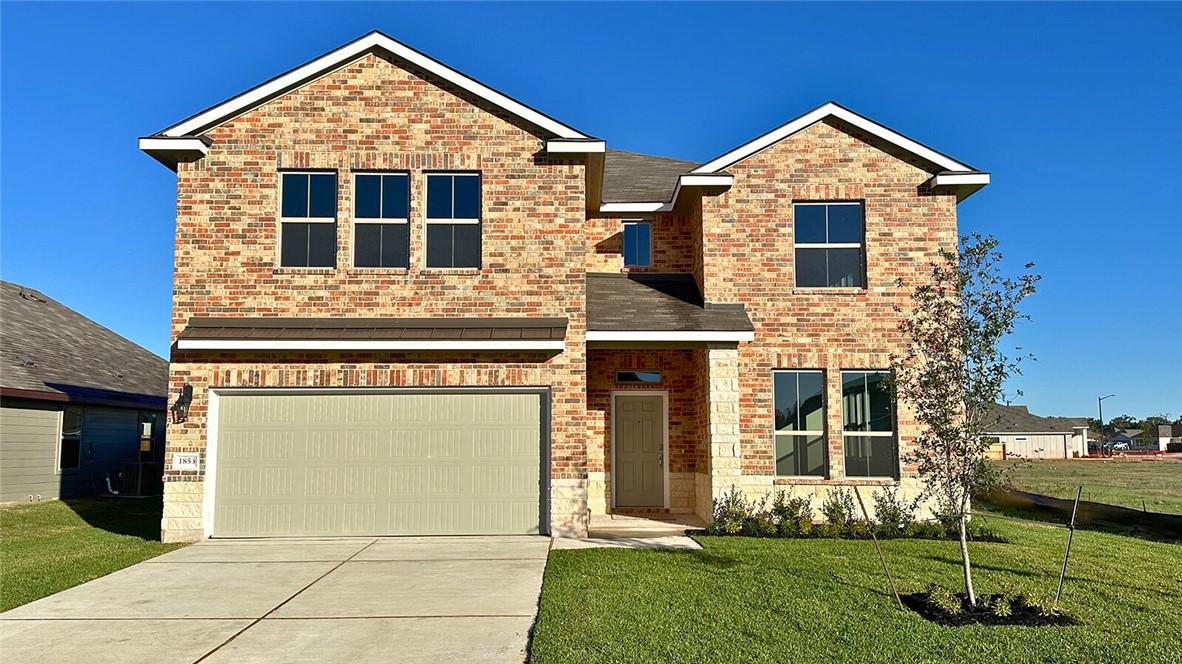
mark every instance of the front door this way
{"type": "Point", "coordinates": [640, 451]}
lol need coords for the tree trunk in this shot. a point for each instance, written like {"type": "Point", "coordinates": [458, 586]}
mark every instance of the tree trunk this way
{"type": "Point", "coordinates": [968, 569]}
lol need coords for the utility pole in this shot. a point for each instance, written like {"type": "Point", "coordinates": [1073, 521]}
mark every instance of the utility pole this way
{"type": "Point", "coordinates": [1100, 403]}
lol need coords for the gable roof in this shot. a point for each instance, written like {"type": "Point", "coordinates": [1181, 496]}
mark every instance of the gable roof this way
{"type": "Point", "coordinates": [1019, 419]}
{"type": "Point", "coordinates": [835, 110]}
{"type": "Point", "coordinates": [336, 58]}
{"type": "Point", "coordinates": [635, 177]}
{"type": "Point", "coordinates": [51, 351]}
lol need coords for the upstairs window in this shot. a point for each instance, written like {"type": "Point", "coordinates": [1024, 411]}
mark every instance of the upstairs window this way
{"type": "Point", "coordinates": [381, 212]}
{"type": "Point", "coordinates": [308, 220]}
{"type": "Point", "coordinates": [799, 401]}
{"type": "Point", "coordinates": [638, 249]}
{"type": "Point", "coordinates": [829, 250]}
{"type": "Point", "coordinates": [70, 452]}
{"type": "Point", "coordinates": [453, 220]}
{"type": "Point", "coordinates": [868, 425]}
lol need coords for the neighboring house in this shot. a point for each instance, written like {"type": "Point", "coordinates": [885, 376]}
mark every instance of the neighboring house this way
{"type": "Point", "coordinates": [1169, 437]}
{"type": "Point", "coordinates": [1029, 436]}
{"type": "Point", "coordinates": [77, 402]}
{"type": "Point", "coordinates": [407, 303]}
{"type": "Point", "coordinates": [1127, 439]}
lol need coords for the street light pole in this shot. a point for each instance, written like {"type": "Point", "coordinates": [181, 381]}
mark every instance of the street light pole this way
{"type": "Point", "coordinates": [1100, 403]}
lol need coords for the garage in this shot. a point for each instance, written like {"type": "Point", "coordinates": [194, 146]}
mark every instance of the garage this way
{"type": "Point", "coordinates": [340, 463]}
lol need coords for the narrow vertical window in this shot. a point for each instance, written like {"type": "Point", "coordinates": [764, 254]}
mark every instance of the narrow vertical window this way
{"type": "Point", "coordinates": [381, 213]}
{"type": "Point", "coordinates": [828, 243]}
{"type": "Point", "coordinates": [868, 425]}
{"type": "Point", "coordinates": [638, 250]}
{"type": "Point", "coordinates": [308, 220]}
{"type": "Point", "coordinates": [799, 401]}
{"type": "Point", "coordinates": [453, 220]}
{"type": "Point", "coordinates": [70, 453]}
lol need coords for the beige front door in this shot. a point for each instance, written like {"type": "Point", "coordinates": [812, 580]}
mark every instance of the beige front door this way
{"type": "Point", "coordinates": [640, 451]}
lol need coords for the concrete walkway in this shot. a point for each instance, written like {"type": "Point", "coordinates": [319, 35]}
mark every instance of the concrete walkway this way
{"type": "Point", "coordinates": [470, 599]}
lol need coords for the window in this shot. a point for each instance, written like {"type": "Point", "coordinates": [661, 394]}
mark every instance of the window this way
{"type": "Point", "coordinates": [453, 220]}
{"type": "Point", "coordinates": [868, 425]}
{"type": "Point", "coordinates": [638, 250]}
{"type": "Point", "coordinates": [381, 210]}
{"type": "Point", "coordinates": [308, 220]}
{"type": "Point", "coordinates": [638, 376]}
{"type": "Point", "coordinates": [70, 453]}
{"type": "Point", "coordinates": [147, 428]}
{"type": "Point", "coordinates": [799, 401]}
{"type": "Point", "coordinates": [828, 238]}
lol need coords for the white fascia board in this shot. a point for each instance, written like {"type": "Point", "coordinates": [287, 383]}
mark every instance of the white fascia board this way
{"type": "Point", "coordinates": [812, 117]}
{"type": "Point", "coordinates": [957, 179]}
{"type": "Point", "coordinates": [634, 208]}
{"type": "Point", "coordinates": [186, 144]}
{"type": "Point", "coordinates": [332, 60]}
{"type": "Point", "coordinates": [566, 146]}
{"type": "Point", "coordinates": [712, 180]}
{"type": "Point", "coordinates": [370, 344]}
{"type": "Point", "coordinates": [645, 335]}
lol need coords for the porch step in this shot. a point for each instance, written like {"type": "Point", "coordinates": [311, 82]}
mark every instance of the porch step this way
{"type": "Point", "coordinates": [609, 526]}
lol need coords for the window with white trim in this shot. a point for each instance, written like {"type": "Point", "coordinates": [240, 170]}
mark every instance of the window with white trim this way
{"type": "Point", "coordinates": [381, 214]}
{"type": "Point", "coordinates": [638, 243]}
{"type": "Point", "coordinates": [828, 243]}
{"type": "Point", "coordinates": [453, 220]}
{"type": "Point", "coordinates": [868, 425]}
{"type": "Point", "coordinates": [308, 220]}
{"type": "Point", "coordinates": [799, 401]}
{"type": "Point", "coordinates": [70, 451]}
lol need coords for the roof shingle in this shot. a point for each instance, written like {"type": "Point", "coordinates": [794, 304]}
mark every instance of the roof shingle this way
{"type": "Point", "coordinates": [630, 177]}
{"type": "Point", "coordinates": [657, 302]}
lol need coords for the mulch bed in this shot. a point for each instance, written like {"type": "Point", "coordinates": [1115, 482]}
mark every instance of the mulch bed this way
{"type": "Point", "coordinates": [1021, 614]}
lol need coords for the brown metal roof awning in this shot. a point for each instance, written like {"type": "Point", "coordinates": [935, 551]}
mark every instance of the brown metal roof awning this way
{"type": "Point", "coordinates": [373, 334]}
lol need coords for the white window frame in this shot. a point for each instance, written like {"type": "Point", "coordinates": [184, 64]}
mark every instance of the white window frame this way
{"type": "Point", "coordinates": [306, 220]}
{"type": "Point", "coordinates": [61, 422]}
{"type": "Point", "coordinates": [354, 219]}
{"type": "Point", "coordinates": [428, 220]}
{"type": "Point", "coordinates": [633, 222]}
{"type": "Point", "coordinates": [829, 245]}
{"type": "Point", "coordinates": [804, 434]}
{"type": "Point", "coordinates": [893, 433]}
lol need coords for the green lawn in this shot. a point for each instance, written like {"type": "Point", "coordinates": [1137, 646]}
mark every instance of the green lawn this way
{"type": "Point", "coordinates": [753, 600]}
{"type": "Point", "coordinates": [1124, 483]}
{"type": "Point", "coordinates": [53, 545]}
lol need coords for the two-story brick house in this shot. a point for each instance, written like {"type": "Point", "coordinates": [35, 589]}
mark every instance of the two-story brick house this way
{"type": "Point", "coordinates": [407, 303]}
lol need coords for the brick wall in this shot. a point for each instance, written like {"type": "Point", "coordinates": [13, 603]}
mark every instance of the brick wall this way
{"type": "Point", "coordinates": [672, 244]}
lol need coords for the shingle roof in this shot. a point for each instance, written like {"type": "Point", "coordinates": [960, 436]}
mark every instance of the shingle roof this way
{"type": "Point", "coordinates": [1169, 430]}
{"type": "Point", "coordinates": [630, 177]}
{"type": "Point", "coordinates": [1018, 419]}
{"type": "Point", "coordinates": [47, 347]}
{"type": "Point", "coordinates": [374, 328]}
{"type": "Point", "coordinates": [657, 302]}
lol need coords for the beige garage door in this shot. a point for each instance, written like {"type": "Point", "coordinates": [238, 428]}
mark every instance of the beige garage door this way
{"type": "Point", "coordinates": [377, 464]}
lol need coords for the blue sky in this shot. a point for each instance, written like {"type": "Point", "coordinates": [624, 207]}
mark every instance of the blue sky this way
{"type": "Point", "coordinates": [1073, 108]}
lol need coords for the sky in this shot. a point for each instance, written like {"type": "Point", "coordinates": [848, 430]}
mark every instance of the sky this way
{"type": "Point", "coordinates": [1073, 108]}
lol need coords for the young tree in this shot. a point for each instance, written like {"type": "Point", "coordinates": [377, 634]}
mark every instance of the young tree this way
{"type": "Point", "coordinates": [953, 372]}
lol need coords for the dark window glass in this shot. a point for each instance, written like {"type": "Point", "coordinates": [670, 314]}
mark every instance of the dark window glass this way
{"type": "Point", "coordinates": [382, 245]}
{"type": "Point", "coordinates": [811, 268]}
{"type": "Point", "coordinates": [322, 245]}
{"type": "Point", "coordinates": [70, 453]}
{"type": "Point", "coordinates": [322, 195]}
{"type": "Point", "coordinates": [798, 398]}
{"type": "Point", "coordinates": [800, 455]}
{"type": "Point", "coordinates": [466, 250]}
{"type": "Point", "coordinates": [809, 224]}
{"type": "Point", "coordinates": [880, 403]}
{"type": "Point", "coordinates": [294, 249]}
{"type": "Point", "coordinates": [845, 267]}
{"type": "Point", "coordinates": [395, 196]}
{"type": "Point", "coordinates": [638, 244]}
{"type": "Point", "coordinates": [367, 196]}
{"type": "Point", "coordinates": [638, 376]}
{"type": "Point", "coordinates": [866, 408]}
{"type": "Point", "coordinates": [295, 195]}
{"type": "Point", "coordinates": [845, 223]}
{"type": "Point", "coordinates": [439, 197]}
{"type": "Point", "coordinates": [467, 196]}
{"type": "Point", "coordinates": [367, 245]}
{"type": "Point", "coordinates": [439, 245]}
{"type": "Point", "coordinates": [870, 456]}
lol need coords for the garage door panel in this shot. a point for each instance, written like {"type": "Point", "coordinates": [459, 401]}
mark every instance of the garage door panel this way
{"type": "Point", "coordinates": [290, 465]}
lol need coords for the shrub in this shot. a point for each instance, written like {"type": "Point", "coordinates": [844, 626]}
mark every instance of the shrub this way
{"type": "Point", "coordinates": [839, 509]}
{"type": "Point", "coordinates": [794, 516]}
{"type": "Point", "coordinates": [945, 600]}
{"type": "Point", "coordinates": [731, 511]}
{"type": "Point", "coordinates": [893, 515]}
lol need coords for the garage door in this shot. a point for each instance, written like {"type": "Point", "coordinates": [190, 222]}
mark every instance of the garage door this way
{"type": "Point", "coordinates": [377, 464]}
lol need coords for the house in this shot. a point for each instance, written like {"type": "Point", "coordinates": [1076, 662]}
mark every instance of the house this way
{"type": "Point", "coordinates": [78, 403]}
{"type": "Point", "coordinates": [1028, 436]}
{"type": "Point", "coordinates": [1126, 439]}
{"type": "Point", "coordinates": [1169, 437]}
{"type": "Point", "coordinates": [406, 303]}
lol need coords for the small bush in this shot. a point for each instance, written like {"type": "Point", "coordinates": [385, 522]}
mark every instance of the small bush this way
{"type": "Point", "coordinates": [893, 515]}
{"type": "Point", "coordinates": [731, 511]}
{"type": "Point", "coordinates": [839, 509]}
{"type": "Point", "coordinates": [945, 600]}
{"type": "Point", "coordinates": [794, 516]}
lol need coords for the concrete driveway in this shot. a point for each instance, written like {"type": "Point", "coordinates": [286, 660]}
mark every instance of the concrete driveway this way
{"type": "Point", "coordinates": [470, 599]}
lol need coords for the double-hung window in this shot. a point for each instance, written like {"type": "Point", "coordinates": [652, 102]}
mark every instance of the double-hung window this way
{"type": "Point", "coordinates": [70, 451]}
{"type": "Point", "coordinates": [381, 213]}
{"type": "Point", "coordinates": [799, 402]}
{"type": "Point", "coordinates": [638, 243]}
{"type": "Point", "coordinates": [868, 425]}
{"type": "Point", "coordinates": [453, 220]}
{"type": "Point", "coordinates": [828, 241]}
{"type": "Point", "coordinates": [308, 220]}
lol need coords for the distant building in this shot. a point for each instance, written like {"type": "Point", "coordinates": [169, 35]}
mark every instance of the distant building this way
{"type": "Point", "coordinates": [1169, 437]}
{"type": "Point", "coordinates": [1133, 438]}
{"type": "Point", "coordinates": [1029, 436]}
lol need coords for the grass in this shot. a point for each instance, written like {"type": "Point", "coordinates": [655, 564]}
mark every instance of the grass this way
{"type": "Point", "coordinates": [772, 600]}
{"type": "Point", "coordinates": [1115, 482]}
{"type": "Point", "coordinates": [53, 545]}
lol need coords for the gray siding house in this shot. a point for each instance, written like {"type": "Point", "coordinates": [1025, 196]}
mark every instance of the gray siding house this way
{"type": "Point", "coordinates": [77, 403]}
